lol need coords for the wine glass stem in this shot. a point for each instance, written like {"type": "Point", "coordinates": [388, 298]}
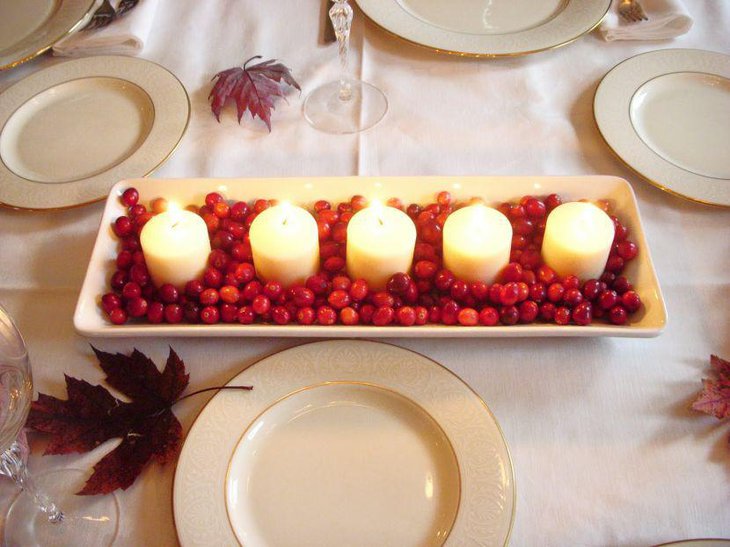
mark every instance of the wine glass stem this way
{"type": "Point", "coordinates": [13, 466]}
{"type": "Point", "coordinates": [341, 16]}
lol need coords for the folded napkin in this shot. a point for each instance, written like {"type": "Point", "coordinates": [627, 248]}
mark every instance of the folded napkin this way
{"type": "Point", "coordinates": [125, 35]}
{"type": "Point", "coordinates": [667, 19]}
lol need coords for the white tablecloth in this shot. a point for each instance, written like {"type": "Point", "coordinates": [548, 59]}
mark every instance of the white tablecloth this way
{"type": "Point", "coordinates": [605, 449]}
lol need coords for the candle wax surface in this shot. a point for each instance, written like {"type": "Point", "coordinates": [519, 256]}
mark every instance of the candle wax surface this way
{"type": "Point", "coordinates": [380, 242]}
{"type": "Point", "coordinates": [578, 239]}
{"type": "Point", "coordinates": [285, 244]}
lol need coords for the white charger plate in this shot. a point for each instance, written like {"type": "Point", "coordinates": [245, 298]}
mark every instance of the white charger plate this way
{"type": "Point", "coordinates": [30, 27]}
{"type": "Point", "coordinates": [487, 29]}
{"type": "Point", "coordinates": [345, 443]}
{"type": "Point", "coordinates": [667, 115]}
{"type": "Point", "coordinates": [90, 320]}
{"type": "Point", "coordinates": [69, 132]}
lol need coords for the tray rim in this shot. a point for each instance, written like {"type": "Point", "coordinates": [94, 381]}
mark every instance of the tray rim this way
{"type": "Point", "coordinates": [97, 326]}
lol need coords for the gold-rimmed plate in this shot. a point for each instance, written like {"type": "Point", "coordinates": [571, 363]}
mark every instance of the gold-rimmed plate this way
{"type": "Point", "coordinates": [487, 29]}
{"type": "Point", "coordinates": [345, 443]}
{"type": "Point", "coordinates": [30, 27]}
{"type": "Point", "coordinates": [69, 132]}
{"type": "Point", "coordinates": [665, 114]}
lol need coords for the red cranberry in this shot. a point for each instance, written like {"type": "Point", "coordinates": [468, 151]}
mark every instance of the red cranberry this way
{"type": "Point", "coordinates": [489, 316]}
{"type": "Point", "coordinates": [546, 275]}
{"type": "Point", "coordinates": [221, 209]}
{"type": "Point", "coordinates": [468, 317]}
{"type": "Point", "coordinates": [552, 201]}
{"type": "Point", "coordinates": [617, 315]}
{"type": "Point", "coordinates": [459, 290]}
{"type": "Point", "coordinates": [318, 284]}
{"type": "Point", "coordinates": [273, 289]}
{"type": "Point", "coordinates": [523, 291]}
{"type": "Point", "coordinates": [212, 198]}
{"type": "Point", "coordinates": [398, 283]}
{"type": "Point", "coordinates": [358, 290]}
{"type": "Point", "coordinates": [280, 315]}
{"type": "Point", "coordinates": [631, 301]}
{"type": "Point", "coordinates": [421, 315]}
{"type": "Point", "coordinates": [210, 315]}
{"type": "Point", "coordinates": [562, 315]}
{"type": "Point", "coordinates": [495, 292]}
{"type": "Point", "coordinates": [615, 264]}
{"type": "Point", "coordinates": [538, 293]}
{"type": "Point", "coordinates": [555, 292]}
{"type": "Point", "coordinates": [621, 284]}
{"type": "Point", "coordinates": [479, 290]}
{"type": "Point", "coordinates": [124, 260]}
{"type": "Point", "coordinates": [155, 312]}
{"type": "Point", "coordinates": [509, 294]}
{"type": "Point", "coordinates": [443, 280]}
{"type": "Point", "coordinates": [547, 311]}
{"type": "Point", "coordinates": [450, 313]}
{"type": "Point", "coordinates": [110, 301]}
{"type": "Point", "coordinates": [528, 311]}
{"type": "Point", "coordinates": [229, 294]}
{"type": "Point", "coordinates": [326, 315]}
{"type": "Point", "coordinates": [582, 314]}
{"type": "Point", "coordinates": [213, 278]}
{"type": "Point", "coordinates": [306, 316]}
{"type": "Point", "coordinates": [608, 299]}
{"type": "Point", "coordinates": [118, 280]}
{"type": "Point", "coordinates": [406, 316]}
{"type": "Point", "coordinates": [322, 205]}
{"type": "Point", "coordinates": [339, 299]}
{"type": "Point", "coordinates": [509, 315]}
{"type": "Point", "coordinates": [349, 316]}
{"type": "Point", "coordinates": [137, 307]}
{"type": "Point", "coordinates": [334, 264]}
{"type": "Point", "coordinates": [118, 316]}
{"type": "Point", "coordinates": [130, 197]}
{"type": "Point", "coordinates": [523, 227]}
{"type": "Point", "coordinates": [209, 297]}
{"type": "Point", "coordinates": [168, 293]}
{"type": "Point", "coordinates": [173, 313]}
{"type": "Point", "coordinates": [572, 297]}
{"type": "Point", "coordinates": [592, 288]}
{"type": "Point", "coordinates": [131, 290]}
{"type": "Point", "coordinates": [627, 250]}
{"type": "Point", "coordinates": [535, 208]}
{"type": "Point", "coordinates": [191, 311]}
{"type": "Point", "coordinates": [512, 272]}
{"type": "Point", "coordinates": [261, 304]}
{"type": "Point", "coordinates": [382, 299]}
{"type": "Point", "coordinates": [123, 226]}
{"type": "Point", "coordinates": [228, 313]}
{"type": "Point", "coordinates": [194, 288]}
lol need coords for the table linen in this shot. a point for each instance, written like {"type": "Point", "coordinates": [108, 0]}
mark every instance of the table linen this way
{"type": "Point", "coordinates": [666, 19]}
{"type": "Point", "coordinates": [605, 448]}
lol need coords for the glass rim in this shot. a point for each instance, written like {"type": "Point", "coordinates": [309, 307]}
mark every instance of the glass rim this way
{"type": "Point", "coordinates": [10, 333]}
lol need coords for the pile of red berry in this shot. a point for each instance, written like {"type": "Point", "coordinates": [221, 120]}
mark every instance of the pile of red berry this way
{"type": "Point", "coordinates": [229, 291]}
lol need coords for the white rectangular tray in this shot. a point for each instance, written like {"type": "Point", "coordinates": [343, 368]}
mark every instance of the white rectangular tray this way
{"type": "Point", "coordinates": [89, 319]}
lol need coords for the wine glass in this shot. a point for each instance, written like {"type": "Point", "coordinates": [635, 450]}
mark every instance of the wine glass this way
{"type": "Point", "coordinates": [346, 105]}
{"type": "Point", "coordinates": [46, 513]}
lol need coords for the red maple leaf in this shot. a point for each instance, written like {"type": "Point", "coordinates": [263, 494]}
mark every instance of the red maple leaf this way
{"type": "Point", "coordinates": [715, 396]}
{"type": "Point", "coordinates": [91, 415]}
{"type": "Point", "coordinates": [252, 88]}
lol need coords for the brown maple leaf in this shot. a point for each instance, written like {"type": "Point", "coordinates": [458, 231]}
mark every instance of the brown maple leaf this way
{"type": "Point", "coordinates": [252, 88]}
{"type": "Point", "coordinates": [714, 399]}
{"type": "Point", "coordinates": [91, 415]}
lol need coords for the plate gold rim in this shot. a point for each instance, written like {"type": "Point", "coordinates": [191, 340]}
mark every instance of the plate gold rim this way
{"type": "Point", "coordinates": [257, 361]}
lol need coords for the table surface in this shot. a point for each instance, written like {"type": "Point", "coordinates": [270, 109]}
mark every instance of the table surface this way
{"type": "Point", "coordinates": [606, 450]}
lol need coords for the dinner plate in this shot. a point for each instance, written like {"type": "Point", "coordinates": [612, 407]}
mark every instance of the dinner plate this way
{"type": "Point", "coordinates": [704, 542]}
{"type": "Point", "coordinates": [69, 132]}
{"type": "Point", "coordinates": [487, 29]}
{"type": "Point", "coordinates": [90, 320]}
{"type": "Point", "coordinates": [345, 442]}
{"type": "Point", "coordinates": [667, 115]}
{"type": "Point", "coordinates": [30, 27]}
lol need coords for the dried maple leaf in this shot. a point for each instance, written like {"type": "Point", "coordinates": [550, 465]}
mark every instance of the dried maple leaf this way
{"type": "Point", "coordinates": [252, 88]}
{"type": "Point", "coordinates": [715, 396]}
{"type": "Point", "coordinates": [91, 415]}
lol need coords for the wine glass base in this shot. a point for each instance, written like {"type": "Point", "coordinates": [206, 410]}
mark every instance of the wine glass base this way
{"type": "Point", "coordinates": [326, 110]}
{"type": "Point", "coordinates": [88, 520]}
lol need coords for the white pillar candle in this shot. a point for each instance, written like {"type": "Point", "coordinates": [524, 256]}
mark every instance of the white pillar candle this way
{"type": "Point", "coordinates": [176, 247]}
{"type": "Point", "coordinates": [380, 242]}
{"type": "Point", "coordinates": [578, 239]}
{"type": "Point", "coordinates": [477, 241]}
{"type": "Point", "coordinates": [285, 244]}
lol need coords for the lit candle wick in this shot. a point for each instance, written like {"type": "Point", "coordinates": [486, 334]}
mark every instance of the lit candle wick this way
{"type": "Point", "coordinates": [175, 224]}
{"type": "Point", "coordinates": [286, 219]}
{"type": "Point", "coordinates": [381, 221]}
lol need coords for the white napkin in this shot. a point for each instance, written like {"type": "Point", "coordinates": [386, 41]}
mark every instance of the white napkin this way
{"type": "Point", "coordinates": [125, 36]}
{"type": "Point", "coordinates": [667, 19]}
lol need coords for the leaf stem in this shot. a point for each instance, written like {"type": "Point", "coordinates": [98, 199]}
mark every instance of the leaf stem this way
{"type": "Point", "coordinates": [251, 59]}
{"type": "Point", "coordinates": [243, 388]}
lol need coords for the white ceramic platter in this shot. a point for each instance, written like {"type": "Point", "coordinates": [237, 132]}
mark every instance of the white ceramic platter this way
{"type": "Point", "coordinates": [30, 27]}
{"type": "Point", "coordinates": [667, 115]}
{"type": "Point", "coordinates": [69, 132]}
{"type": "Point", "coordinates": [487, 29]}
{"type": "Point", "coordinates": [345, 443]}
{"type": "Point", "coordinates": [90, 320]}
